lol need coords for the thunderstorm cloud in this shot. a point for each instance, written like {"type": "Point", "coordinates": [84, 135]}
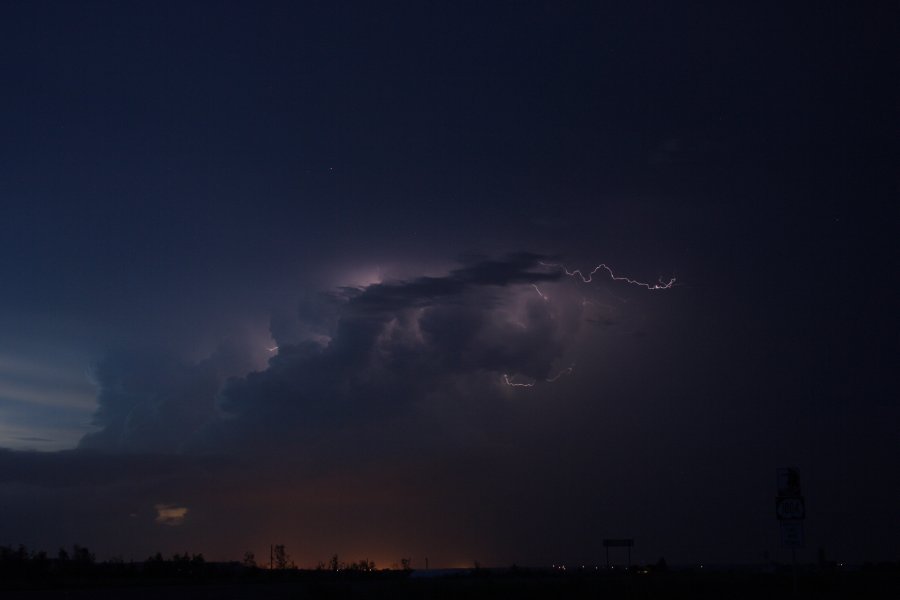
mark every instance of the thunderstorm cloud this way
{"type": "Point", "coordinates": [387, 351]}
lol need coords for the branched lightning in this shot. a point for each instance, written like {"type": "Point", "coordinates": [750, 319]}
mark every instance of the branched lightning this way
{"type": "Point", "coordinates": [659, 285]}
{"type": "Point", "coordinates": [577, 273]}
{"type": "Point", "coordinates": [508, 381]}
{"type": "Point", "coordinates": [511, 384]}
{"type": "Point", "coordinates": [567, 371]}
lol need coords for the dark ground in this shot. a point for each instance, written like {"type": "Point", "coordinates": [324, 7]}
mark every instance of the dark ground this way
{"type": "Point", "coordinates": [866, 583]}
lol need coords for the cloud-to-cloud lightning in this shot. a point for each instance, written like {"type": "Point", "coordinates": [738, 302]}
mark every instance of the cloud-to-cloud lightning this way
{"type": "Point", "coordinates": [577, 273]}
{"type": "Point", "coordinates": [659, 285]}
{"type": "Point", "coordinates": [508, 381]}
{"type": "Point", "coordinates": [540, 293]}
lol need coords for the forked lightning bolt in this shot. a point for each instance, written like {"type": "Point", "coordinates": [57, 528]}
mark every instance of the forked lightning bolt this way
{"type": "Point", "coordinates": [567, 371]}
{"type": "Point", "coordinates": [659, 285]}
{"type": "Point", "coordinates": [510, 383]}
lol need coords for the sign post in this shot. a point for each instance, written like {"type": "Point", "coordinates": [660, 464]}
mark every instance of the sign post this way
{"type": "Point", "coordinates": [790, 509]}
{"type": "Point", "coordinates": [625, 543]}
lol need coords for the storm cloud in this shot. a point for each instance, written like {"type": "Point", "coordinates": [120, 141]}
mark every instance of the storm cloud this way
{"type": "Point", "coordinates": [387, 404]}
{"type": "Point", "coordinates": [354, 357]}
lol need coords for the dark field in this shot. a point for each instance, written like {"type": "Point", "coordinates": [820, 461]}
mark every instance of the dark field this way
{"type": "Point", "coordinates": [864, 583]}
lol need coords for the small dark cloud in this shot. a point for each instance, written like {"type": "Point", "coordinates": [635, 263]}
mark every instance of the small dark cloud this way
{"type": "Point", "coordinates": [170, 515]}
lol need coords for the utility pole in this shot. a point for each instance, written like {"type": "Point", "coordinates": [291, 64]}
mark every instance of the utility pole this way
{"type": "Point", "coordinates": [794, 569]}
{"type": "Point", "coordinates": [790, 509]}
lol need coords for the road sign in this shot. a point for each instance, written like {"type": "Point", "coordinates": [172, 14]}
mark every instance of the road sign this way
{"type": "Point", "coordinates": [618, 543]}
{"type": "Point", "coordinates": [792, 534]}
{"type": "Point", "coordinates": [790, 508]}
{"type": "Point", "coordinates": [788, 482]}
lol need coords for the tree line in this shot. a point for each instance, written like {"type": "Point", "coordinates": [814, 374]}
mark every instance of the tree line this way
{"type": "Point", "coordinates": [77, 565]}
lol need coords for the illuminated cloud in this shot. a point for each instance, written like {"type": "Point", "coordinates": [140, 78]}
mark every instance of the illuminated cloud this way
{"type": "Point", "coordinates": [170, 514]}
{"type": "Point", "coordinates": [343, 358]}
{"type": "Point", "coordinates": [423, 364]}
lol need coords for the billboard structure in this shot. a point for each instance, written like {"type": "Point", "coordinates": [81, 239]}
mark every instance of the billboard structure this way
{"type": "Point", "coordinates": [618, 543]}
{"type": "Point", "coordinates": [790, 507]}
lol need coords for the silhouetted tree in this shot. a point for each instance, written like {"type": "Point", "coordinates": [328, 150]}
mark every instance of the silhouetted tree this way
{"type": "Point", "coordinates": [82, 555]}
{"type": "Point", "coordinates": [155, 564]}
{"type": "Point", "coordinates": [249, 560]}
{"type": "Point", "coordinates": [281, 558]}
{"type": "Point", "coordinates": [334, 564]}
{"type": "Point", "coordinates": [406, 564]}
{"type": "Point", "coordinates": [363, 565]}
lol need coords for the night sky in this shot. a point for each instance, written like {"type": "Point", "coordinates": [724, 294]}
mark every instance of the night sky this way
{"type": "Point", "coordinates": [298, 273]}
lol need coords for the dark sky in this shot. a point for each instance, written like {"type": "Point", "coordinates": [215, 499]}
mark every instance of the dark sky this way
{"type": "Point", "coordinates": [268, 272]}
